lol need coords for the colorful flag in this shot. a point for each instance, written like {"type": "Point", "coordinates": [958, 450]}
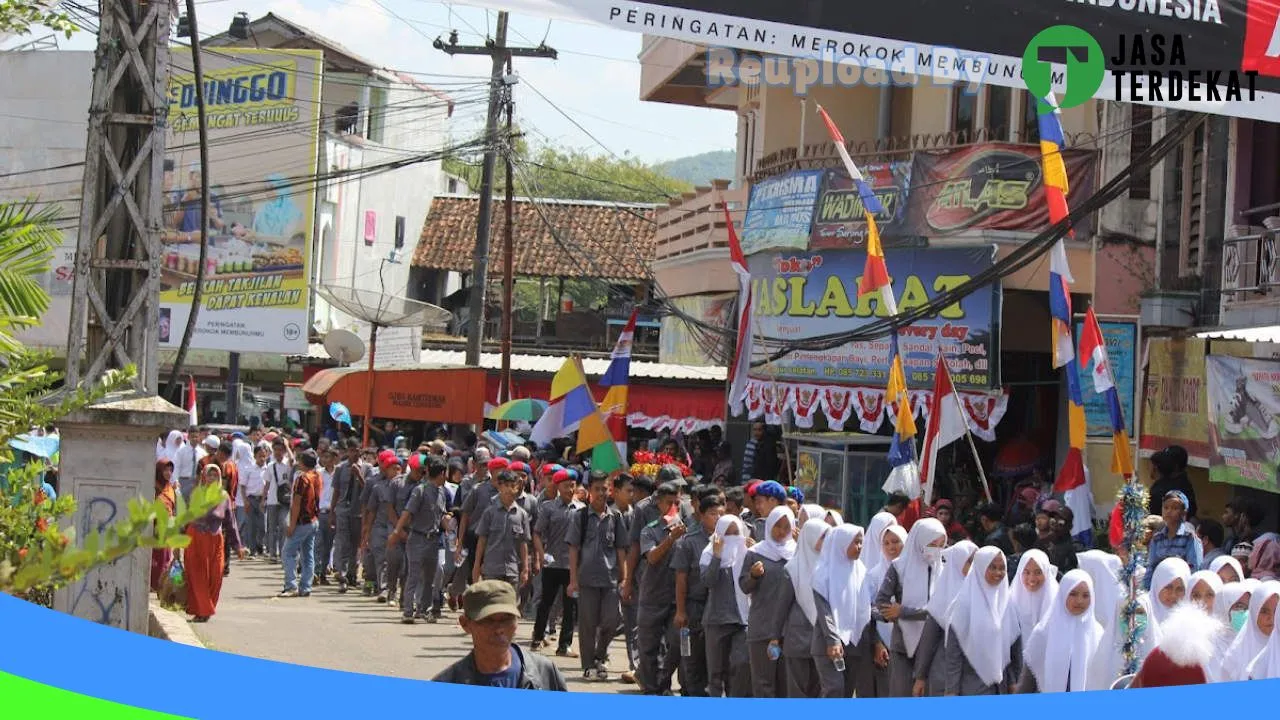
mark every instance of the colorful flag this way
{"type": "Point", "coordinates": [191, 401]}
{"type": "Point", "coordinates": [616, 376]}
{"type": "Point", "coordinates": [742, 349]}
{"type": "Point", "coordinates": [947, 423]}
{"type": "Point", "coordinates": [1094, 349]}
{"type": "Point", "coordinates": [1052, 141]}
{"type": "Point", "coordinates": [579, 408]}
{"type": "Point", "coordinates": [1072, 473]}
{"type": "Point", "coordinates": [904, 476]}
{"type": "Point", "coordinates": [1055, 193]}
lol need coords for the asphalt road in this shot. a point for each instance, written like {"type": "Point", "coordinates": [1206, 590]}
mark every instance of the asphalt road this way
{"type": "Point", "coordinates": [352, 632]}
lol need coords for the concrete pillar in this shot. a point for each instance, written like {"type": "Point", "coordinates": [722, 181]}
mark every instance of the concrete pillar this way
{"type": "Point", "coordinates": [108, 458]}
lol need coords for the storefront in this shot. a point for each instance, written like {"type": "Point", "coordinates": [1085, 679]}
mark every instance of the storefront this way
{"type": "Point", "coordinates": [453, 395]}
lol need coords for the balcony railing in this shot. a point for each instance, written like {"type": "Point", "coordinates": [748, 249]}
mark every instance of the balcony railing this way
{"type": "Point", "coordinates": [696, 221]}
{"type": "Point", "coordinates": [1250, 264]}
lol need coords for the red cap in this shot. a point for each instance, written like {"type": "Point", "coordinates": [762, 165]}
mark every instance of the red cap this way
{"type": "Point", "coordinates": [518, 467]}
{"type": "Point", "coordinates": [387, 457]}
{"type": "Point", "coordinates": [499, 463]}
{"type": "Point", "coordinates": [561, 476]}
{"type": "Point", "coordinates": [1159, 670]}
{"type": "Point", "coordinates": [751, 487]}
{"type": "Point", "coordinates": [415, 461]}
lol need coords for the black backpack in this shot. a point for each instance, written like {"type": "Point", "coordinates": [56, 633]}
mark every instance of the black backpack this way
{"type": "Point", "coordinates": [284, 491]}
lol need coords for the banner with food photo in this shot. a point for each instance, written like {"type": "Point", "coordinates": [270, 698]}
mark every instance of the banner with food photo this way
{"type": "Point", "coordinates": [263, 114]}
{"type": "Point", "coordinates": [1244, 427]}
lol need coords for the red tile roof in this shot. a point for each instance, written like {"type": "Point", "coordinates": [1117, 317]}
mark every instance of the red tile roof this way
{"type": "Point", "coordinates": [612, 241]}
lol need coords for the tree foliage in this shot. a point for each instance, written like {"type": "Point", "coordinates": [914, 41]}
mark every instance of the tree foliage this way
{"type": "Point", "coordinates": [18, 17]}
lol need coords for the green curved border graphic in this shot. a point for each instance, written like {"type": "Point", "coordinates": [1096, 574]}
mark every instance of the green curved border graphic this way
{"type": "Point", "coordinates": [27, 698]}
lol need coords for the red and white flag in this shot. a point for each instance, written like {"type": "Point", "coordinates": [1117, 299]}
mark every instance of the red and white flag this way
{"type": "Point", "coordinates": [947, 423]}
{"type": "Point", "coordinates": [191, 400]}
{"type": "Point", "coordinates": [742, 348]}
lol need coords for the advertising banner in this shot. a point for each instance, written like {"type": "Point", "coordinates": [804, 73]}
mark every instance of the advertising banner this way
{"type": "Point", "coordinates": [780, 212]}
{"type": "Point", "coordinates": [1173, 405]}
{"type": "Point", "coordinates": [1121, 337]}
{"type": "Point", "coordinates": [679, 345]}
{"type": "Point", "coordinates": [1244, 432]}
{"type": "Point", "coordinates": [808, 296]}
{"type": "Point", "coordinates": [263, 109]}
{"type": "Point", "coordinates": [995, 186]}
{"type": "Point", "coordinates": [839, 220]}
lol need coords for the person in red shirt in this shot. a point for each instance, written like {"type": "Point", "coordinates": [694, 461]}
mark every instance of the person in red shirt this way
{"type": "Point", "coordinates": [304, 527]}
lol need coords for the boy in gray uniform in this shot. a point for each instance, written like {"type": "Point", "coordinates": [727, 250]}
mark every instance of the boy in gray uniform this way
{"type": "Point", "coordinates": [597, 566]}
{"type": "Point", "coordinates": [420, 526]}
{"type": "Point", "coordinates": [368, 564]}
{"type": "Point", "coordinates": [657, 595]}
{"type": "Point", "coordinates": [348, 483]}
{"type": "Point", "coordinates": [477, 501]}
{"type": "Point", "coordinates": [503, 536]}
{"type": "Point", "coordinates": [380, 512]}
{"type": "Point", "coordinates": [691, 594]}
{"type": "Point", "coordinates": [529, 503]}
{"type": "Point", "coordinates": [627, 492]}
{"type": "Point", "coordinates": [550, 545]}
{"type": "Point", "coordinates": [397, 565]}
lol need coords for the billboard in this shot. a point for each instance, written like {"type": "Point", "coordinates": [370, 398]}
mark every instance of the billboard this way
{"type": "Point", "coordinates": [950, 41]}
{"type": "Point", "coordinates": [839, 220]}
{"type": "Point", "coordinates": [804, 296]}
{"type": "Point", "coordinates": [263, 110]}
{"type": "Point", "coordinates": [1173, 400]}
{"type": "Point", "coordinates": [1244, 430]}
{"type": "Point", "coordinates": [994, 186]}
{"type": "Point", "coordinates": [1121, 338]}
{"type": "Point", "coordinates": [780, 212]}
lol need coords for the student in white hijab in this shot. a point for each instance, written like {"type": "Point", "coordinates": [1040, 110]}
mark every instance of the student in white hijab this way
{"type": "Point", "coordinates": [875, 532]}
{"type": "Point", "coordinates": [983, 653]}
{"type": "Point", "coordinates": [802, 673]}
{"type": "Point", "coordinates": [1108, 600]}
{"type": "Point", "coordinates": [725, 618]}
{"type": "Point", "coordinates": [1168, 588]}
{"type": "Point", "coordinates": [875, 682]}
{"type": "Point", "coordinates": [842, 627]}
{"type": "Point", "coordinates": [764, 578]}
{"type": "Point", "coordinates": [1060, 651]}
{"type": "Point", "coordinates": [903, 599]}
{"type": "Point", "coordinates": [1034, 586]}
{"type": "Point", "coordinates": [1255, 635]}
{"type": "Point", "coordinates": [817, 513]}
{"type": "Point", "coordinates": [929, 661]}
{"type": "Point", "coordinates": [1228, 568]}
{"type": "Point", "coordinates": [1266, 666]}
{"type": "Point", "coordinates": [183, 458]}
{"type": "Point", "coordinates": [1204, 588]}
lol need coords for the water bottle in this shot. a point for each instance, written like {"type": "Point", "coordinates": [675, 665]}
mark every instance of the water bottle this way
{"type": "Point", "coordinates": [839, 664]}
{"type": "Point", "coordinates": [775, 651]}
{"type": "Point", "coordinates": [686, 643]}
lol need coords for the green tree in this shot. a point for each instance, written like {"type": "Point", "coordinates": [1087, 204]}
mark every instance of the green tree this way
{"type": "Point", "coordinates": [18, 16]}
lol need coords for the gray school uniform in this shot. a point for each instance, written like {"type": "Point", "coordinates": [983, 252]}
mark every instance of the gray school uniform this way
{"type": "Point", "coordinates": [771, 599]}
{"type": "Point", "coordinates": [904, 669]}
{"type": "Point", "coordinates": [834, 683]}
{"type": "Point", "coordinates": [728, 669]}
{"type": "Point", "coordinates": [426, 507]}
{"type": "Point", "coordinates": [389, 562]}
{"type": "Point", "coordinates": [368, 502]}
{"type": "Point", "coordinates": [656, 606]}
{"type": "Point", "coordinates": [474, 505]}
{"type": "Point", "coordinates": [929, 663]}
{"type": "Point", "coordinates": [505, 530]}
{"type": "Point", "coordinates": [802, 675]}
{"type": "Point", "coordinates": [961, 678]}
{"type": "Point", "coordinates": [684, 559]}
{"type": "Point", "coordinates": [630, 631]}
{"type": "Point", "coordinates": [348, 485]}
{"type": "Point", "coordinates": [529, 593]}
{"type": "Point", "coordinates": [598, 539]}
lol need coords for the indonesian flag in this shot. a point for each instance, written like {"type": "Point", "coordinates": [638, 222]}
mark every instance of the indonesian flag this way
{"type": "Point", "coordinates": [1093, 349]}
{"type": "Point", "coordinates": [742, 349]}
{"type": "Point", "coordinates": [191, 400]}
{"type": "Point", "coordinates": [947, 424]}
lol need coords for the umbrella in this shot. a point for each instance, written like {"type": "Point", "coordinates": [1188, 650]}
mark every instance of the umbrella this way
{"type": "Point", "coordinates": [42, 447]}
{"type": "Point", "coordinates": [526, 409]}
{"type": "Point", "coordinates": [340, 413]}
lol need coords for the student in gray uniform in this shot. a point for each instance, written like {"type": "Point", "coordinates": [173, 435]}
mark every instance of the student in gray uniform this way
{"type": "Point", "coordinates": [769, 495]}
{"type": "Point", "coordinates": [371, 560]}
{"type": "Point", "coordinates": [420, 529]}
{"type": "Point", "coordinates": [479, 500]}
{"type": "Point", "coordinates": [597, 567]}
{"type": "Point", "coordinates": [930, 667]}
{"type": "Point", "coordinates": [529, 503]}
{"type": "Point", "coordinates": [764, 579]}
{"type": "Point", "coordinates": [842, 627]}
{"type": "Point", "coordinates": [724, 621]}
{"type": "Point", "coordinates": [655, 605]}
{"type": "Point", "coordinates": [802, 670]}
{"type": "Point", "coordinates": [903, 598]}
{"type": "Point", "coordinates": [627, 492]}
{"type": "Point", "coordinates": [385, 557]}
{"type": "Point", "coordinates": [646, 511]}
{"type": "Point", "coordinates": [550, 543]}
{"type": "Point", "coordinates": [348, 483]}
{"type": "Point", "coordinates": [503, 536]}
{"type": "Point", "coordinates": [691, 596]}
{"type": "Point", "coordinates": [984, 650]}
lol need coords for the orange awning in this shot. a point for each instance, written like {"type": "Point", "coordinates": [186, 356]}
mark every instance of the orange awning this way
{"type": "Point", "coordinates": [446, 395]}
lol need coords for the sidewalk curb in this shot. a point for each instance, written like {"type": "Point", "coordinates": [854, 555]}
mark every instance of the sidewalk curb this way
{"type": "Point", "coordinates": [169, 625]}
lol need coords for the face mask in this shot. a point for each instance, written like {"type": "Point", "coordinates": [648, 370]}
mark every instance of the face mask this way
{"type": "Point", "coordinates": [1238, 619]}
{"type": "Point", "coordinates": [933, 554]}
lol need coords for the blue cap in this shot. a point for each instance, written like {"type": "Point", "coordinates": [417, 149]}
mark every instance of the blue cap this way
{"type": "Point", "coordinates": [238, 435]}
{"type": "Point", "coordinates": [772, 489]}
{"type": "Point", "coordinates": [795, 493]}
{"type": "Point", "coordinates": [1179, 496]}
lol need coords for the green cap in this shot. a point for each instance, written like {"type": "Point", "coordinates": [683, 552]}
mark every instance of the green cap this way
{"type": "Point", "coordinates": [489, 597]}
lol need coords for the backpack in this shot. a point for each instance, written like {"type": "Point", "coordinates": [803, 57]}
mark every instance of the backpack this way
{"type": "Point", "coordinates": [284, 491]}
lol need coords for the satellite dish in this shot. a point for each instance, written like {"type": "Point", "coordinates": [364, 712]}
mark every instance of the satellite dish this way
{"type": "Point", "coordinates": [344, 346]}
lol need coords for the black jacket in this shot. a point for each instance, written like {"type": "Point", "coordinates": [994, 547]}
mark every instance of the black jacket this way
{"type": "Point", "coordinates": [536, 673]}
{"type": "Point", "coordinates": [1176, 481]}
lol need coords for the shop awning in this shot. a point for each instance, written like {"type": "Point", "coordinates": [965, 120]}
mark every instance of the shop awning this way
{"type": "Point", "coordinates": [443, 394]}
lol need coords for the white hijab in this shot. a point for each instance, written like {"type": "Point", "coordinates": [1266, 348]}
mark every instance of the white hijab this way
{"type": "Point", "coordinates": [1249, 641]}
{"type": "Point", "coordinates": [1266, 666]}
{"type": "Point", "coordinates": [811, 511]}
{"type": "Point", "coordinates": [1169, 570]}
{"type": "Point", "coordinates": [918, 575]}
{"type": "Point", "coordinates": [1108, 598]}
{"type": "Point", "coordinates": [875, 535]}
{"type": "Point", "coordinates": [800, 567]}
{"type": "Point", "coordinates": [1062, 646]}
{"type": "Point", "coordinates": [1210, 578]}
{"type": "Point", "coordinates": [981, 612]}
{"type": "Point", "coordinates": [875, 577]}
{"type": "Point", "coordinates": [841, 582]}
{"type": "Point", "coordinates": [173, 445]}
{"type": "Point", "coordinates": [1033, 606]}
{"type": "Point", "coordinates": [731, 557]}
{"type": "Point", "coordinates": [948, 586]}
{"type": "Point", "coordinates": [1224, 560]}
{"type": "Point", "coordinates": [771, 549]}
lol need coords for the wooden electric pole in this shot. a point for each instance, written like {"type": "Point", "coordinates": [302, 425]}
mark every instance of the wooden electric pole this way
{"type": "Point", "coordinates": [508, 264]}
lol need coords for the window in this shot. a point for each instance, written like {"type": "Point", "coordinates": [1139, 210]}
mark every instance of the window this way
{"type": "Point", "coordinates": [377, 114]}
{"type": "Point", "coordinates": [999, 102]}
{"type": "Point", "coordinates": [1139, 142]}
{"type": "Point", "coordinates": [1030, 120]}
{"type": "Point", "coordinates": [964, 106]}
{"type": "Point", "coordinates": [1190, 186]}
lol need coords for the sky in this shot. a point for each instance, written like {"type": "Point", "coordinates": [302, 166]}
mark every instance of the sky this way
{"type": "Point", "coordinates": [596, 79]}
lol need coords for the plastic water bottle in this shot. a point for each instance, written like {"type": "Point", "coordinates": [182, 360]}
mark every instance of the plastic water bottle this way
{"type": "Point", "coordinates": [839, 664]}
{"type": "Point", "coordinates": [775, 651]}
{"type": "Point", "coordinates": [686, 643]}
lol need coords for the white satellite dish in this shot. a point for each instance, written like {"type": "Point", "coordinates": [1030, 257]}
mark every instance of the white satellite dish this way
{"type": "Point", "coordinates": [344, 346]}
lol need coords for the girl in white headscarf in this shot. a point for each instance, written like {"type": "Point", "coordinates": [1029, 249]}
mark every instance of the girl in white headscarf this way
{"type": "Point", "coordinates": [903, 599]}
{"type": "Point", "coordinates": [929, 662]}
{"type": "Point", "coordinates": [1204, 588]}
{"type": "Point", "coordinates": [1228, 568]}
{"type": "Point", "coordinates": [1255, 635]}
{"type": "Point", "coordinates": [727, 610]}
{"type": "Point", "coordinates": [875, 531]}
{"type": "Point", "coordinates": [843, 623]}
{"type": "Point", "coordinates": [1108, 600]}
{"type": "Point", "coordinates": [983, 653]}
{"type": "Point", "coordinates": [875, 682]}
{"type": "Point", "coordinates": [183, 458]}
{"type": "Point", "coordinates": [1034, 586]}
{"type": "Point", "coordinates": [1061, 649]}
{"type": "Point", "coordinates": [802, 674]}
{"type": "Point", "coordinates": [1168, 588]}
{"type": "Point", "coordinates": [763, 578]}
{"type": "Point", "coordinates": [1266, 666]}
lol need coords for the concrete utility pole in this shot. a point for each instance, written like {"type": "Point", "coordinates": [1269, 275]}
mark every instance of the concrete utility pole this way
{"type": "Point", "coordinates": [500, 53]}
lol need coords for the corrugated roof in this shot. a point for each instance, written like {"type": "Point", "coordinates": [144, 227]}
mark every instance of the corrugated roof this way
{"type": "Point", "coordinates": [612, 241]}
{"type": "Point", "coordinates": [549, 364]}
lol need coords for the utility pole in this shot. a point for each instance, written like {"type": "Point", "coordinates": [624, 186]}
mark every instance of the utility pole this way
{"type": "Point", "coordinates": [508, 264]}
{"type": "Point", "coordinates": [501, 55]}
{"type": "Point", "coordinates": [115, 306]}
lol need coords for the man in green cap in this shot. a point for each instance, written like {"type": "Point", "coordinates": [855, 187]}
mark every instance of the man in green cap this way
{"type": "Point", "coordinates": [490, 615]}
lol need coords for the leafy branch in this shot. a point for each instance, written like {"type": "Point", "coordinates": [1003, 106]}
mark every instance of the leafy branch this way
{"type": "Point", "coordinates": [17, 17]}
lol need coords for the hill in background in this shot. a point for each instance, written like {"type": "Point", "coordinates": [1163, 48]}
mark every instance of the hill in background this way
{"type": "Point", "coordinates": [701, 169]}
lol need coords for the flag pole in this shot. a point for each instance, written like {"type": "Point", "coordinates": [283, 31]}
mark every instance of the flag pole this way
{"type": "Point", "coordinates": [964, 418]}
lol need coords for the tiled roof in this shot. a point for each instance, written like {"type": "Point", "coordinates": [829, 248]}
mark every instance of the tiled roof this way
{"type": "Point", "coordinates": [613, 241]}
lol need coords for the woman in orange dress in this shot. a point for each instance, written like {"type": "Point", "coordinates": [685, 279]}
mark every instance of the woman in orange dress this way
{"type": "Point", "coordinates": [203, 559]}
{"type": "Point", "coordinates": [161, 558]}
